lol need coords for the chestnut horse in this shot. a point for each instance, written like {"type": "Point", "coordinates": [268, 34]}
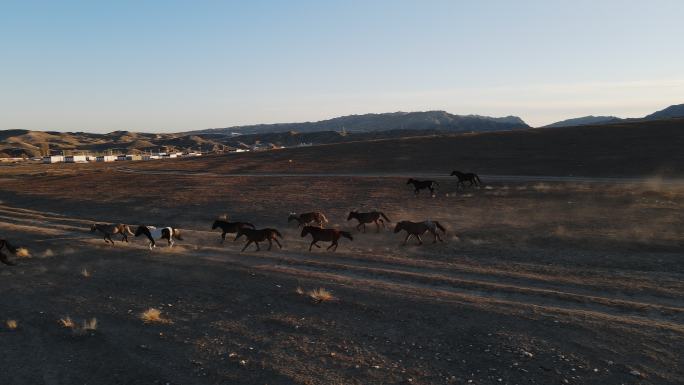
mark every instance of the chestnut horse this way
{"type": "Point", "coordinates": [363, 218]}
{"type": "Point", "coordinates": [306, 218]}
{"type": "Point", "coordinates": [109, 230]}
{"type": "Point", "coordinates": [229, 227]}
{"type": "Point", "coordinates": [257, 236]}
{"type": "Point", "coordinates": [418, 229]}
{"type": "Point", "coordinates": [325, 235]}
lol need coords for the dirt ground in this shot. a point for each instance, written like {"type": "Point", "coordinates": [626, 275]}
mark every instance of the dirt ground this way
{"type": "Point", "coordinates": [536, 282]}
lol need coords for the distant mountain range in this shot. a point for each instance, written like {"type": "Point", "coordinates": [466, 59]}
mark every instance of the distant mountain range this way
{"type": "Point", "coordinates": [674, 111]}
{"type": "Point", "coordinates": [25, 143]}
{"type": "Point", "coordinates": [427, 120]}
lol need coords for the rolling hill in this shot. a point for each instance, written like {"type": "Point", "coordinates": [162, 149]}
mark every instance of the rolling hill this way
{"type": "Point", "coordinates": [674, 111]}
{"type": "Point", "coordinates": [428, 120]}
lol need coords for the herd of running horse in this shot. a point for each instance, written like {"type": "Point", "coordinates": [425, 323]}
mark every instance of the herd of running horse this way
{"type": "Point", "coordinates": [312, 223]}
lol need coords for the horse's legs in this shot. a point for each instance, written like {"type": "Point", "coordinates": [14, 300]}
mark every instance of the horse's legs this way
{"type": "Point", "coordinates": [171, 242]}
{"type": "Point", "coordinates": [270, 244]}
{"type": "Point", "coordinates": [364, 228]}
{"type": "Point", "coordinates": [257, 245]}
{"type": "Point", "coordinates": [420, 241]}
{"type": "Point", "coordinates": [246, 244]}
{"type": "Point", "coordinates": [331, 245]}
{"type": "Point", "coordinates": [408, 235]}
{"type": "Point", "coordinates": [312, 244]}
{"type": "Point", "coordinates": [358, 227]}
{"type": "Point", "coordinates": [377, 226]}
{"type": "Point", "coordinates": [223, 237]}
{"type": "Point", "coordinates": [278, 243]}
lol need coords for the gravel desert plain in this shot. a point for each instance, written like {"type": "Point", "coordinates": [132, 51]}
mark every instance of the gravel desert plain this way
{"type": "Point", "coordinates": [565, 267]}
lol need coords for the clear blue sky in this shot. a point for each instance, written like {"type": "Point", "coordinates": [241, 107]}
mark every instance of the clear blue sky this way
{"type": "Point", "coordinates": [176, 65]}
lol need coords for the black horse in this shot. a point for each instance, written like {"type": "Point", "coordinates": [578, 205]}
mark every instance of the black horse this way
{"type": "Point", "coordinates": [229, 227]}
{"type": "Point", "coordinates": [12, 249]}
{"type": "Point", "coordinates": [423, 184]}
{"type": "Point", "coordinates": [470, 177]}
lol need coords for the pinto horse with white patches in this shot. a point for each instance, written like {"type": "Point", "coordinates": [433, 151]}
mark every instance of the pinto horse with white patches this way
{"type": "Point", "coordinates": [152, 233]}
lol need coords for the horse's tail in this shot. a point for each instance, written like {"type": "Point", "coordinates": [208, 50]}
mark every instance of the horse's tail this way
{"type": "Point", "coordinates": [177, 234]}
{"type": "Point", "coordinates": [478, 178]}
{"type": "Point", "coordinates": [347, 234]}
{"type": "Point", "coordinates": [439, 226]}
{"type": "Point", "coordinates": [323, 218]}
{"type": "Point", "coordinates": [384, 216]}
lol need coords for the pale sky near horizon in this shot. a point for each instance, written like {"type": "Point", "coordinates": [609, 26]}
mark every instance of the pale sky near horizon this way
{"type": "Point", "coordinates": [161, 66]}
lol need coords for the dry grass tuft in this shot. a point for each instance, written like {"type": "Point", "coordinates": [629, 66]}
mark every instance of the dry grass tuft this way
{"type": "Point", "coordinates": [12, 324]}
{"type": "Point", "coordinates": [299, 290]}
{"type": "Point", "coordinates": [90, 325]}
{"type": "Point", "coordinates": [153, 315]}
{"type": "Point", "coordinates": [85, 273]}
{"type": "Point", "coordinates": [67, 322]}
{"type": "Point", "coordinates": [22, 252]}
{"type": "Point", "coordinates": [321, 295]}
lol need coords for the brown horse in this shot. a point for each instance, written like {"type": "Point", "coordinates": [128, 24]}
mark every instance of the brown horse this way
{"type": "Point", "coordinates": [109, 230]}
{"type": "Point", "coordinates": [469, 177]}
{"type": "Point", "coordinates": [306, 218]}
{"type": "Point", "coordinates": [12, 249]}
{"type": "Point", "coordinates": [418, 229]}
{"type": "Point", "coordinates": [325, 235]}
{"type": "Point", "coordinates": [423, 184]}
{"type": "Point", "coordinates": [363, 218]}
{"type": "Point", "coordinates": [229, 227]}
{"type": "Point", "coordinates": [257, 236]}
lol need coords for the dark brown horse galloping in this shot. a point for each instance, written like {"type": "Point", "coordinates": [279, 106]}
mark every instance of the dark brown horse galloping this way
{"type": "Point", "coordinates": [423, 184]}
{"type": "Point", "coordinates": [256, 236]}
{"type": "Point", "coordinates": [325, 235]}
{"type": "Point", "coordinates": [371, 217]}
{"type": "Point", "coordinates": [306, 218]}
{"type": "Point", "coordinates": [419, 228]}
{"type": "Point", "coordinates": [230, 227]}
{"type": "Point", "coordinates": [470, 177]}
{"type": "Point", "coordinates": [12, 249]}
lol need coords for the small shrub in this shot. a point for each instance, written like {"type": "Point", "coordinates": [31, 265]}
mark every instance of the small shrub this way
{"type": "Point", "coordinates": [67, 322]}
{"type": "Point", "coordinates": [321, 295]}
{"type": "Point", "coordinates": [85, 273]}
{"type": "Point", "coordinates": [90, 325]}
{"type": "Point", "coordinates": [22, 252]}
{"type": "Point", "coordinates": [153, 315]}
{"type": "Point", "coordinates": [12, 324]}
